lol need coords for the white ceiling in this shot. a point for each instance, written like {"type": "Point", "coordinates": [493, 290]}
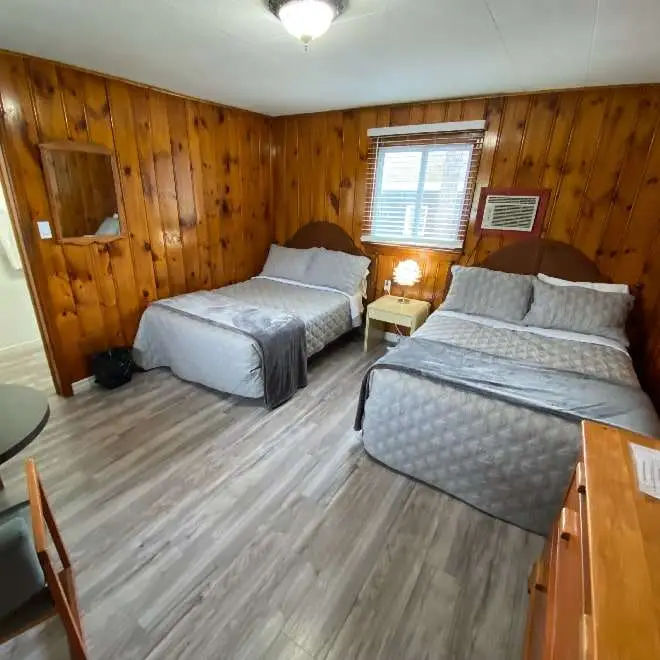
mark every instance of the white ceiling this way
{"type": "Point", "coordinates": [380, 51]}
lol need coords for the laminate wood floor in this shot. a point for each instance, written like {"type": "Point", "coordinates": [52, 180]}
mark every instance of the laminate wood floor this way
{"type": "Point", "coordinates": [202, 526]}
{"type": "Point", "coordinates": [26, 365]}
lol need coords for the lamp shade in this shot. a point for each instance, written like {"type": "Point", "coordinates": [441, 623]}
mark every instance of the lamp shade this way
{"type": "Point", "coordinates": [407, 273]}
{"type": "Point", "coordinates": [307, 19]}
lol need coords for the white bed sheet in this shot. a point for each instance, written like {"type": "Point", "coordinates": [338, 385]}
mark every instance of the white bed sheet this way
{"type": "Point", "coordinates": [544, 332]}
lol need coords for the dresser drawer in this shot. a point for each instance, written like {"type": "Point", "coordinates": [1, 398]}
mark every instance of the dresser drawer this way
{"type": "Point", "coordinates": [538, 607]}
{"type": "Point", "coordinates": [603, 584]}
{"type": "Point", "coordinates": [566, 582]}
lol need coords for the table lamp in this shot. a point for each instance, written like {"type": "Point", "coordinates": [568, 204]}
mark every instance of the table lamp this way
{"type": "Point", "coordinates": [406, 273]}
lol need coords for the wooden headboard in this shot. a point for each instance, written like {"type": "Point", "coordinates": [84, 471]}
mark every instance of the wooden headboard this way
{"type": "Point", "coordinates": [534, 256]}
{"type": "Point", "coordinates": [324, 234]}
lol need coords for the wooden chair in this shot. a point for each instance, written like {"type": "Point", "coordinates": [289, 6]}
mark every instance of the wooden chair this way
{"type": "Point", "coordinates": [52, 592]}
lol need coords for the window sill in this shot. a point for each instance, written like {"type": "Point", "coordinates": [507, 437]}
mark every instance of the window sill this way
{"type": "Point", "coordinates": [452, 248]}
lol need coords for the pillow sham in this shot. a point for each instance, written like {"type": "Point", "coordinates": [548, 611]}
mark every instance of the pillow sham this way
{"type": "Point", "coordinates": [579, 309]}
{"type": "Point", "coordinates": [605, 287]}
{"type": "Point", "coordinates": [337, 270]}
{"type": "Point", "coordinates": [484, 292]}
{"type": "Point", "coordinates": [288, 263]}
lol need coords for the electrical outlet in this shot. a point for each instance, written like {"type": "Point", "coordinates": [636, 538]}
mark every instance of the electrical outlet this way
{"type": "Point", "coordinates": [387, 286]}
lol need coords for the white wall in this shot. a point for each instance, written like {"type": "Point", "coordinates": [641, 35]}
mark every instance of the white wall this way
{"type": "Point", "coordinates": [18, 324]}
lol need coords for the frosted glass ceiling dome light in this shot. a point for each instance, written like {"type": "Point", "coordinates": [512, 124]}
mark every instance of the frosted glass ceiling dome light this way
{"type": "Point", "coordinates": [306, 19]}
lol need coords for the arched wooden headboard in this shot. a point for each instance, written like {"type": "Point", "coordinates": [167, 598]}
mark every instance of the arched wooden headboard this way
{"type": "Point", "coordinates": [324, 234]}
{"type": "Point", "coordinates": [534, 256]}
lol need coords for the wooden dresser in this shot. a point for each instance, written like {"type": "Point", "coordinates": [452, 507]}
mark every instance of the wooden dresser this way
{"type": "Point", "coordinates": [595, 590]}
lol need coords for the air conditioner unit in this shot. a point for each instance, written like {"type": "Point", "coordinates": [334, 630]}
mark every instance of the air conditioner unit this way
{"type": "Point", "coordinates": [511, 211]}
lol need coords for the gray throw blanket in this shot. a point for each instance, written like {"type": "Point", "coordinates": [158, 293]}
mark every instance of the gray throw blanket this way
{"type": "Point", "coordinates": [280, 337]}
{"type": "Point", "coordinates": [566, 394]}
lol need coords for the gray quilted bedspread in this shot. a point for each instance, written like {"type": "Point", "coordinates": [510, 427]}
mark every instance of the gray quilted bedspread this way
{"type": "Point", "coordinates": [326, 314]}
{"type": "Point", "coordinates": [511, 461]}
{"type": "Point", "coordinates": [280, 337]}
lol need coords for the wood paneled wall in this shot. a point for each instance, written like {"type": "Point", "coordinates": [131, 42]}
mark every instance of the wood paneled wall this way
{"type": "Point", "coordinates": [196, 187]}
{"type": "Point", "coordinates": [597, 149]}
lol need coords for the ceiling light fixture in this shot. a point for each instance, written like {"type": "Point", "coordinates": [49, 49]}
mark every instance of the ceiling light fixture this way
{"type": "Point", "coordinates": [306, 19]}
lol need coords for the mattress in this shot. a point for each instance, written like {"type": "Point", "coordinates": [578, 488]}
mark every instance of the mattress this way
{"type": "Point", "coordinates": [231, 362]}
{"type": "Point", "coordinates": [510, 461]}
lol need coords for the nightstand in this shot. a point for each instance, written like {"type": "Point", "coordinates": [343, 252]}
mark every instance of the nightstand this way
{"type": "Point", "coordinates": [389, 309]}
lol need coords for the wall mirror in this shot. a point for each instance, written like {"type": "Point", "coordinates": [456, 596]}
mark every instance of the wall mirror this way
{"type": "Point", "coordinates": [83, 188]}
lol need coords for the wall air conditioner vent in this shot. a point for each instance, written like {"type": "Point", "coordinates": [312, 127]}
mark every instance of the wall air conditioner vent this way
{"type": "Point", "coordinates": [511, 211]}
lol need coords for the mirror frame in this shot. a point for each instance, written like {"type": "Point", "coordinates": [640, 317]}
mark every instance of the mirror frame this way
{"type": "Point", "coordinates": [47, 149]}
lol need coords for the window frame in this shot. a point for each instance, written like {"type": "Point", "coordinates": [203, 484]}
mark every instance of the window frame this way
{"type": "Point", "coordinates": [394, 139]}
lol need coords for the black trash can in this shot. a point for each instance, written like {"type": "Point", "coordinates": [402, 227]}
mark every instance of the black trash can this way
{"type": "Point", "coordinates": [114, 367]}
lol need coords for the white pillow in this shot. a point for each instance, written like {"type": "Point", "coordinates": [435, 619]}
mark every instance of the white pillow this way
{"type": "Point", "coordinates": [288, 263]}
{"type": "Point", "coordinates": [603, 287]}
{"type": "Point", "coordinates": [337, 270]}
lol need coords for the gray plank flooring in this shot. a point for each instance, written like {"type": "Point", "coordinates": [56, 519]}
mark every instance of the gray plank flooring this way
{"type": "Point", "coordinates": [203, 526]}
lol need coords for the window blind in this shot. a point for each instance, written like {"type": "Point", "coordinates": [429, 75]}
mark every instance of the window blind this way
{"type": "Point", "coordinates": [421, 184]}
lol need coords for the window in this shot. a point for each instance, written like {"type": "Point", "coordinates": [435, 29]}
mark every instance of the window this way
{"type": "Point", "coordinates": [422, 180]}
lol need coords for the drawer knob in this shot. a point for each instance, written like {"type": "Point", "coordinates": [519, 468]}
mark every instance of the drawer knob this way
{"type": "Point", "coordinates": [580, 478]}
{"type": "Point", "coordinates": [586, 637]}
{"type": "Point", "coordinates": [568, 524]}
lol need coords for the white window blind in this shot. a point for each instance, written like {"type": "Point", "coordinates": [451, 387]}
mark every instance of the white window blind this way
{"type": "Point", "coordinates": [421, 184]}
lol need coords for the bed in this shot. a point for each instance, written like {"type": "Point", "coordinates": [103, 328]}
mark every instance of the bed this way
{"type": "Point", "coordinates": [188, 335]}
{"type": "Point", "coordinates": [489, 411]}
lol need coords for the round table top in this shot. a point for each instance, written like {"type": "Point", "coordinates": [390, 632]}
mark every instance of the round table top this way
{"type": "Point", "coordinates": [23, 414]}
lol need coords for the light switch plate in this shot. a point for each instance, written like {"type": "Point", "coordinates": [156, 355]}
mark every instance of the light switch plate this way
{"type": "Point", "coordinates": [44, 229]}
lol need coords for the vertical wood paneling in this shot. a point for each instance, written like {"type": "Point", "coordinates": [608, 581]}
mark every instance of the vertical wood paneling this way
{"type": "Point", "coordinates": [293, 205]}
{"type": "Point", "coordinates": [612, 154]}
{"type": "Point", "coordinates": [72, 88]}
{"type": "Point", "coordinates": [562, 132]}
{"type": "Point", "coordinates": [536, 142]}
{"type": "Point", "coordinates": [578, 164]}
{"type": "Point", "coordinates": [435, 112]}
{"type": "Point", "coordinates": [243, 140]}
{"type": "Point", "coordinates": [280, 180]}
{"type": "Point", "coordinates": [454, 111]}
{"type": "Point", "coordinates": [597, 150]}
{"type": "Point", "coordinates": [142, 128]}
{"type": "Point", "coordinates": [233, 234]}
{"type": "Point", "coordinates": [176, 112]}
{"type": "Point", "coordinates": [167, 200]}
{"type": "Point", "coordinates": [494, 109]}
{"type": "Point", "coordinates": [210, 190]}
{"type": "Point", "coordinates": [113, 264]}
{"type": "Point", "coordinates": [220, 132]}
{"type": "Point", "coordinates": [49, 125]}
{"type": "Point", "coordinates": [366, 120]}
{"type": "Point", "coordinates": [333, 170]}
{"type": "Point", "coordinates": [319, 163]}
{"type": "Point", "coordinates": [131, 185]}
{"type": "Point", "coordinates": [630, 182]}
{"type": "Point", "coordinates": [349, 169]}
{"type": "Point", "coordinates": [194, 126]}
{"type": "Point", "coordinates": [172, 155]}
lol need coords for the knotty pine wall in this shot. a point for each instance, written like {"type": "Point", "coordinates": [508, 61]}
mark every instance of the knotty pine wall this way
{"type": "Point", "coordinates": [196, 186]}
{"type": "Point", "coordinates": [598, 150]}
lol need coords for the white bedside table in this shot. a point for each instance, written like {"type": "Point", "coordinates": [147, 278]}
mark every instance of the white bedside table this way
{"type": "Point", "coordinates": [389, 309]}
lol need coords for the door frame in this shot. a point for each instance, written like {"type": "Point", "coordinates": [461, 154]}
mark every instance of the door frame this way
{"type": "Point", "coordinates": [33, 269]}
